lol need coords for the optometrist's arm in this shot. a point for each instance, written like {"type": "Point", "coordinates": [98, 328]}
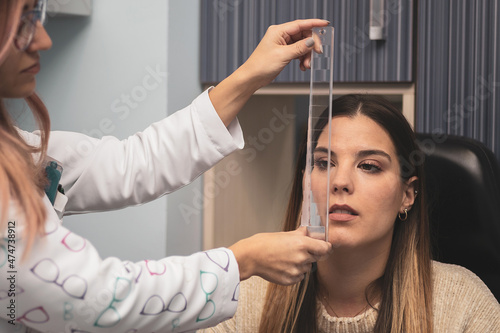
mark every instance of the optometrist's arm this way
{"type": "Point", "coordinates": [280, 45]}
{"type": "Point", "coordinates": [64, 285]}
{"type": "Point", "coordinates": [280, 257]}
{"type": "Point", "coordinates": [107, 173]}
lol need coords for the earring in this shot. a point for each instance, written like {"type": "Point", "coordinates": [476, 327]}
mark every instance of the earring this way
{"type": "Point", "coordinates": [403, 218]}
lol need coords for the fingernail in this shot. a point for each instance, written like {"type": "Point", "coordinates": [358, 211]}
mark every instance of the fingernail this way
{"type": "Point", "coordinates": [309, 42]}
{"type": "Point", "coordinates": [327, 21]}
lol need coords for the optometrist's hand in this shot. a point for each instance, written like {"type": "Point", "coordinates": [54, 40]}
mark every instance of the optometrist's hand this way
{"type": "Point", "coordinates": [279, 46]}
{"type": "Point", "coordinates": [281, 257]}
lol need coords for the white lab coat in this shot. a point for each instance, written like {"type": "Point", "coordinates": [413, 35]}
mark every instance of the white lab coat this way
{"type": "Point", "coordinates": [65, 286]}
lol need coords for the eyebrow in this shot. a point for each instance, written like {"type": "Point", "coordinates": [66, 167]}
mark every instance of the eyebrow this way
{"type": "Point", "coordinates": [359, 154]}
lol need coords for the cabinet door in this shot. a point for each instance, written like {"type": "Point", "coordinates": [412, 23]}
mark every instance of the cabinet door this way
{"type": "Point", "coordinates": [231, 29]}
{"type": "Point", "coordinates": [458, 73]}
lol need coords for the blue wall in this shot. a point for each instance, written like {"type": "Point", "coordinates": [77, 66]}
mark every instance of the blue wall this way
{"type": "Point", "coordinates": [98, 62]}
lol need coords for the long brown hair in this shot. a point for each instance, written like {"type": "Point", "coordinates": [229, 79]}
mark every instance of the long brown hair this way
{"type": "Point", "coordinates": [406, 286]}
{"type": "Point", "coordinates": [21, 177]}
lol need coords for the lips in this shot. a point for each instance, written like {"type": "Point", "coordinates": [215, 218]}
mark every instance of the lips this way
{"type": "Point", "coordinates": [342, 213]}
{"type": "Point", "coordinates": [33, 69]}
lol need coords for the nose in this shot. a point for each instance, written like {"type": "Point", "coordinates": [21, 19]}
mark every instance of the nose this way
{"type": "Point", "coordinates": [340, 180]}
{"type": "Point", "coordinates": [41, 40]}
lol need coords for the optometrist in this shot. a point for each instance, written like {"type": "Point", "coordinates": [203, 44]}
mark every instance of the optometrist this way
{"type": "Point", "coordinates": [52, 280]}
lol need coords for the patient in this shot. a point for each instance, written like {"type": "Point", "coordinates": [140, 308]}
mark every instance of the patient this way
{"type": "Point", "coordinates": [380, 277]}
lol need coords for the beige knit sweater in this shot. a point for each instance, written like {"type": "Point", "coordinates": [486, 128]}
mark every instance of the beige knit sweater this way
{"type": "Point", "coordinates": [462, 303]}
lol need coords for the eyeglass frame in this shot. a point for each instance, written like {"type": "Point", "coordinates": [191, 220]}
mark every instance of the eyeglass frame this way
{"type": "Point", "coordinates": [112, 303]}
{"type": "Point", "coordinates": [208, 300]}
{"type": "Point", "coordinates": [38, 14]}
{"type": "Point", "coordinates": [81, 294]}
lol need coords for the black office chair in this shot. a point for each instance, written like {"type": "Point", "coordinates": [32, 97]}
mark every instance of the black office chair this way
{"type": "Point", "coordinates": [463, 187]}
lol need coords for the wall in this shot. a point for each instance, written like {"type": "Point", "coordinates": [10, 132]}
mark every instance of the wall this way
{"type": "Point", "coordinates": [184, 233]}
{"type": "Point", "coordinates": [98, 64]}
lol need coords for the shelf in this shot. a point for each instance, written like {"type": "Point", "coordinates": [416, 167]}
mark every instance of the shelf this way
{"type": "Point", "coordinates": [69, 7]}
{"type": "Point", "coordinates": [405, 90]}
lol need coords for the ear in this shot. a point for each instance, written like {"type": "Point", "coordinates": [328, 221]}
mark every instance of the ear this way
{"type": "Point", "coordinates": [409, 193]}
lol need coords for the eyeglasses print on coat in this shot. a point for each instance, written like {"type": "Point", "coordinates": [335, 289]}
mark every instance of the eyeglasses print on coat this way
{"type": "Point", "coordinates": [220, 258]}
{"type": "Point", "coordinates": [110, 316]}
{"type": "Point", "coordinates": [209, 282]}
{"type": "Point", "coordinates": [155, 305]}
{"type": "Point", "coordinates": [73, 242]}
{"type": "Point", "coordinates": [36, 315]}
{"type": "Point", "coordinates": [73, 285]}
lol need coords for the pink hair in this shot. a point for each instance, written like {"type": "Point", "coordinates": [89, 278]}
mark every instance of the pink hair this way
{"type": "Point", "coordinates": [21, 177]}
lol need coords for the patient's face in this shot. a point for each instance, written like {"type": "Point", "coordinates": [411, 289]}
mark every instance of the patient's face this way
{"type": "Point", "coordinates": [365, 190]}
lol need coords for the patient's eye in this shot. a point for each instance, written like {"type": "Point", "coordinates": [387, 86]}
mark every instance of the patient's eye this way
{"type": "Point", "coordinates": [322, 164]}
{"type": "Point", "coordinates": [370, 167]}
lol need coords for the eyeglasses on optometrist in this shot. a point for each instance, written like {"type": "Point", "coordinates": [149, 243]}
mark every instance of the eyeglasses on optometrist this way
{"type": "Point", "coordinates": [28, 25]}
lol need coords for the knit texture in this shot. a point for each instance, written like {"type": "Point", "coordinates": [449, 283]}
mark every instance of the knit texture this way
{"type": "Point", "coordinates": [461, 303]}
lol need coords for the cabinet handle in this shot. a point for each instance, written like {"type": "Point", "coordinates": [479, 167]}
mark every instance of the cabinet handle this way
{"type": "Point", "coordinates": [376, 20]}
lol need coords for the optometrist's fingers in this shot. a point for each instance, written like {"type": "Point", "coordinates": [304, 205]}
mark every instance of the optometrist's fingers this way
{"type": "Point", "coordinates": [283, 43]}
{"type": "Point", "coordinates": [279, 46]}
{"type": "Point", "coordinates": [282, 257]}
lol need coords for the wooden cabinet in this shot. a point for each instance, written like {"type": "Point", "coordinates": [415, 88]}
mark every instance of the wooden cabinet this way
{"type": "Point", "coordinates": [231, 29]}
{"type": "Point", "coordinates": [69, 7]}
{"type": "Point", "coordinates": [247, 192]}
{"type": "Point", "coordinates": [456, 77]}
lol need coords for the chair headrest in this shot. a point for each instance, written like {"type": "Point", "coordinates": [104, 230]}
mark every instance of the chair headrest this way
{"type": "Point", "coordinates": [463, 190]}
